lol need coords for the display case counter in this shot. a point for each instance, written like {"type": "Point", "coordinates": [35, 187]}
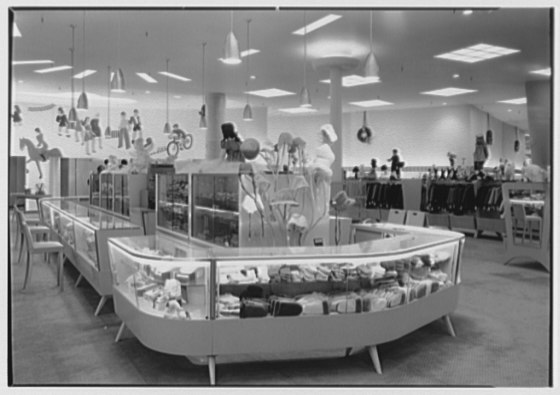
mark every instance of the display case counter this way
{"type": "Point", "coordinates": [183, 299]}
{"type": "Point", "coordinates": [118, 192]}
{"type": "Point", "coordinates": [84, 230]}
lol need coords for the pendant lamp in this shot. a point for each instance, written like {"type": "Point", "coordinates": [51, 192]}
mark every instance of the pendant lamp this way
{"type": "Point", "coordinates": [72, 115]}
{"type": "Point", "coordinates": [83, 99]}
{"type": "Point", "coordinates": [231, 49]}
{"type": "Point", "coordinates": [167, 127]}
{"type": "Point", "coordinates": [304, 97]}
{"type": "Point", "coordinates": [108, 129]}
{"type": "Point", "coordinates": [117, 81]}
{"type": "Point", "coordinates": [371, 68]}
{"type": "Point", "coordinates": [202, 112]}
{"type": "Point", "coordinates": [247, 111]}
{"type": "Point", "coordinates": [489, 135]}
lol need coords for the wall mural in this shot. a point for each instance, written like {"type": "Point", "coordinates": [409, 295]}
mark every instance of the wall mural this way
{"type": "Point", "coordinates": [41, 152]}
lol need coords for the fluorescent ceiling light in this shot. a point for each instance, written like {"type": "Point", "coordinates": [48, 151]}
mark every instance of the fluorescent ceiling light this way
{"type": "Point", "coordinates": [371, 103]}
{"type": "Point", "coordinates": [467, 12]}
{"type": "Point", "coordinates": [22, 62]}
{"type": "Point", "coordinates": [248, 52]}
{"type": "Point", "coordinates": [355, 80]}
{"type": "Point", "coordinates": [84, 74]}
{"type": "Point", "coordinates": [449, 92]}
{"type": "Point", "coordinates": [146, 77]}
{"type": "Point", "coordinates": [521, 100]}
{"type": "Point", "coordinates": [546, 72]}
{"type": "Point", "coordinates": [477, 53]}
{"type": "Point", "coordinates": [176, 96]}
{"type": "Point", "coordinates": [298, 110]}
{"type": "Point", "coordinates": [53, 69]}
{"type": "Point", "coordinates": [317, 24]}
{"type": "Point", "coordinates": [171, 75]}
{"type": "Point", "coordinates": [17, 33]}
{"type": "Point", "coordinates": [273, 92]}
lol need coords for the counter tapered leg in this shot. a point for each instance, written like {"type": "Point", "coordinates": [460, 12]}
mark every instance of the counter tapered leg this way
{"type": "Point", "coordinates": [120, 332]}
{"type": "Point", "coordinates": [80, 277]}
{"type": "Point", "coordinates": [375, 359]}
{"type": "Point", "coordinates": [100, 305]}
{"type": "Point", "coordinates": [212, 369]}
{"type": "Point", "coordinates": [449, 325]}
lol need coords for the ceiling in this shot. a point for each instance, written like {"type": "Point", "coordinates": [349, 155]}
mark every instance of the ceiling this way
{"type": "Point", "coordinates": [405, 42]}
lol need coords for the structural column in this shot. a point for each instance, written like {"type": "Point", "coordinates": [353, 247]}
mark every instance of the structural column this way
{"type": "Point", "coordinates": [335, 74]}
{"type": "Point", "coordinates": [215, 115]}
{"type": "Point", "coordinates": [539, 115]}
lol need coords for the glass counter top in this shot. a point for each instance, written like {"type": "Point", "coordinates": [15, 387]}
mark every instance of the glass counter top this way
{"type": "Point", "coordinates": [161, 247]}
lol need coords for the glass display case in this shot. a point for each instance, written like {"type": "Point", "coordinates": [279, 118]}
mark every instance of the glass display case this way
{"type": "Point", "coordinates": [173, 203]}
{"type": "Point", "coordinates": [161, 277]}
{"type": "Point", "coordinates": [94, 193]}
{"type": "Point", "coordinates": [83, 231]}
{"type": "Point", "coordinates": [106, 191]}
{"type": "Point", "coordinates": [216, 208]}
{"type": "Point", "coordinates": [180, 298]}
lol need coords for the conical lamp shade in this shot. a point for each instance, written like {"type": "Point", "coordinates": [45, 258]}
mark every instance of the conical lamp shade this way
{"type": "Point", "coordinates": [247, 113]}
{"type": "Point", "coordinates": [82, 102]}
{"type": "Point", "coordinates": [231, 50]}
{"type": "Point", "coordinates": [167, 128]}
{"type": "Point", "coordinates": [72, 115]}
{"type": "Point", "coordinates": [202, 123]}
{"type": "Point", "coordinates": [304, 98]}
{"type": "Point", "coordinates": [117, 82]}
{"type": "Point", "coordinates": [371, 68]}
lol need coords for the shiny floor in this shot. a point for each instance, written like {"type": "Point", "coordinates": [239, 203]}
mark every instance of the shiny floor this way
{"type": "Point", "coordinates": [502, 326]}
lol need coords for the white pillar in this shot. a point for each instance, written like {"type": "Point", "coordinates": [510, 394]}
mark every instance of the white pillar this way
{"type": "Point", "coordinates": [335, 74]}
{"type": "Point", "coordinates": [215, 115]}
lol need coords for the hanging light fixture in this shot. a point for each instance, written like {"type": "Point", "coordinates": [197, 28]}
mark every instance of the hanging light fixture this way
{"type": "Point", "coordinates": [247, 111]}
{"type": "Point", "coordinates": [83, 99]}
{"type": "Point", "coordinates": [72, 115]}
{"type": "Point", "coordinates": [117, 81]}
{"type": "Point", "coordinates": [371, 68]}
{"type": "Point", "coordinates": [231, 49]}
{"type": "Point", "coordinates": [108, 129]}
{"type": "Point", "coordinates": [167, 127]}
{"type": "Point", "coordinates": [304, 96]}
{"type": "Point", "coordinates": [202, 112]}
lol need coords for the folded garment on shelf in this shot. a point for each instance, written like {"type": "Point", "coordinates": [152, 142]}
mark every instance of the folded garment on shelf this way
{"type": "Point", "coordinates": [438, 275]}
{"type": "Point", "coordinates": [314, 304]}
{"type": "Point", "coordinates": [253, 308]}
{"type": "Point", "coordinates": [372, 303]}
{"type": "Point", "coordinates": [279, 306]}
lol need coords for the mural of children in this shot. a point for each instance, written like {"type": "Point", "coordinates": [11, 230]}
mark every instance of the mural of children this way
{"type": "Point", "coordinates": [42, 146]}
{"type": "Point", "coordinates": [62, 122]}
{"type": "Point", "coordinates": [16, 116]}
{"type": "Point", "coordinates": [123, 132]}
{"type": "Point", "coordinates": [88, 136]}
{"type": "Point", "coordinates": [396, 164]}
{"type": "Point", "coordinates": [96, 131]}
{"type": "Point", "coordinates": [231, 143]}
{"type": "Point", "coordinates": [136, 124]}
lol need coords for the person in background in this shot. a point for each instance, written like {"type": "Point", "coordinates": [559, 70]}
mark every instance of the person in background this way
{"type": "Point", "coordinates": [372, 175]}
{"type": "Point", "coordinates": [96, 131]}
{"type": "Point", "coordinates": [231, 143]}
{"type": "Point", "coordinates": [16, 116]}
{"type": "Point", "coordinates": [123, 131]}
{"type": "Point", "coordinates": [88, 135]}
{"type": "Point", "coordinates": [42, 146]}
{"type": "Point", "coordinates": [62, 122]}
{"type": "Point", "coordinates": [123, 165]}
{"type": "Point", "coordinates": [396, 164]}
{"type": "Point", "coordinates": [136, 124]}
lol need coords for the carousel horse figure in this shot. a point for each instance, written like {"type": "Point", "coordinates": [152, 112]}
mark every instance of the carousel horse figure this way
{"type": "Point", "coordinates": [36, 155]}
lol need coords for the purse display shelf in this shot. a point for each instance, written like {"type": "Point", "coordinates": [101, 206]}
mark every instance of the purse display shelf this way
{"type": "Point", "coordinates": [214, 302]}
{"type": "Point", "coordinates": [83, 230]}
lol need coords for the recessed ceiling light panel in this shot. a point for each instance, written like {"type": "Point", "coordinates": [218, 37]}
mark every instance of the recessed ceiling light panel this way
{"type": "Point", "coordinates": [174, 76]}
{"type": "Point", "coordinates": [521, 100]}
{"type": "Point", "coordinates": [53, 69]}
{"type": "Point", "coordinates": [248, 52]}
{"type": "Point", "coordinates": [477, 53]}
{"type": "Point", "coordinates": [371, 103]}
{"type": "Point", "coordinates": [449, 92]}
{"type": "Point", "coordinates": [317, 24]}
{"type": "Point", "coordinates": [16, 31]}
{"type": "Point", "coordinates": [355, 80]}
{"type": "Point", "coordinates": [298, 110]}
{"type": "Point", "coordinates": [272, 92]}
{"type": "Point", "coordinates": [547, 72]}
{"type": "Point", "coordinates": [84, 74]}
{"type": "Point", "coordinates": [22, 62]}
{"type": "Point", "coordinates": [146, 77]}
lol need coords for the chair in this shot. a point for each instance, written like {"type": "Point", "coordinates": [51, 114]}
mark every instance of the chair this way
{"type": "Point", "coordinates": [40, 247]}
{"type": "Point", "coordinates": [520, 220]}
{"type": "Point", "coordinates": [415, 218]}
{"type": "Point", "coordinates": [396, 216]}
{"type": "Point", "coordinates": [37, 230]}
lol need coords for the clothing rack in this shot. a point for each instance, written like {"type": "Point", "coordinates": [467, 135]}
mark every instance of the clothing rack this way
{"type": "Point", "coordinates": [384, 194]}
